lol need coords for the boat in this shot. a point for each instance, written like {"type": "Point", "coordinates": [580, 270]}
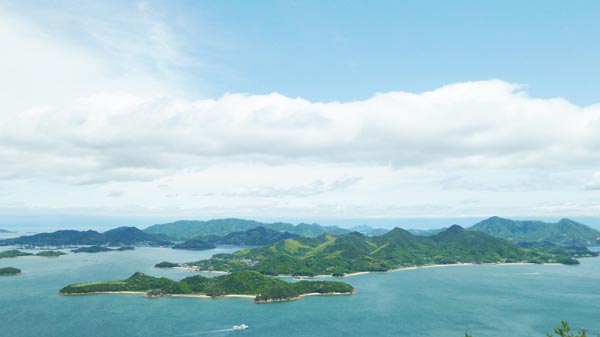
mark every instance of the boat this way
{"type": "Point", "coordinates": [240, 327]}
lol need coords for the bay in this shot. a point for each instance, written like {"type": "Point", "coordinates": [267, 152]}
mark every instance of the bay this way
{"type": "Point", "coordinates": [487, 300]}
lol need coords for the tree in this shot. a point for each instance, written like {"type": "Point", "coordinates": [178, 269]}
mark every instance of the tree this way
{"type": "Point", "coordinates": [565, 331]}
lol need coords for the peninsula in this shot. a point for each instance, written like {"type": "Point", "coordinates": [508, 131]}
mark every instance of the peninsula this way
{"type": "Point", "coordinates": [238, 284]}
{"type": "Point", "coordinates": [353, 253]}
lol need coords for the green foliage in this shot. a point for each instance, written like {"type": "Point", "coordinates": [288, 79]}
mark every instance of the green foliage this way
{"type": "Point", "coordinates": [183, 230]}
{"type": "Point", "coordinates": [13, 253]}
{"type": "Point", "coordinates": [194, 244]}
{"type": "Point", "coordinates": [51, 253]}
{"type": "Point", "coordinates": [17, 253]}
{"type": "Point", "coordinates": [565, 331]}
{"type": "Point", "coordinates": [240, 283]}
{"type": "Point", "coordinates": [354, 252]}
{"type": "Point", "coordinates": [117, 236]}
{"type": "Point", "coordinates": [259, 236]}
{"type": "Point", "coordinates": [565, 232]}
{"type": "Point", "coordinates": [101, 249]}
{"type": "Point", "coordinates": [9, 271]}
{"type": "Point", "coordinates": [91, 249]}
{"type": "Point", "coordinates": [166, 264]}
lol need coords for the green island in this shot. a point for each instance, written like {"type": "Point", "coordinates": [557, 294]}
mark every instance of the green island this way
{"type": "Point", "coordinates": [50, 253]}
{"type": "Point", "coordinates": [9, 271]}
{"type": "Point", "coordinates": [194, 244]}
{"type": "Point", "coordinates": [242, 283]}
{"type": "Point", "coordinates": [166, 264]}
{"type": "Point", "coordinates": [564, 232]}
{"type": "Point", "coordinates": [100, 249]}
{"type": "Point", "coordinates": [353, 253]}
{"type": "Point", "coordinates": [17, 253]}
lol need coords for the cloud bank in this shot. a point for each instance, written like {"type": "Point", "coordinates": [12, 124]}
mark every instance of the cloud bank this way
{"type": "Point", "coordinates": [107, 137]}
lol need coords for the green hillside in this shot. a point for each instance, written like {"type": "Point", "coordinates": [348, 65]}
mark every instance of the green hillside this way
{"type": "Point", "coordinates": [194, 244]}
{"type": "Point", "coordinates": [186, 229]}
{"type": "Point", "coordinates": [354, 252]}
{"type": "Point", "coordinates": [239, 283]}
{"type": "Point", "coordinates": [117, 236]}
{"type": "Point", "coordinates": [259, 236]}
{"type": "Point", "coordinates": [564, 232]}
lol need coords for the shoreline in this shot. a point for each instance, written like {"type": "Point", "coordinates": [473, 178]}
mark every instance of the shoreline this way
{"type": "Point", "coordinates": [300, 277]}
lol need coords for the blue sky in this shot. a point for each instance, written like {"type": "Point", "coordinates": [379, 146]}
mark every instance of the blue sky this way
{"type": "Point", "coordinates": [320, 110]}
{"type": "Point", "coordinates": [341, 51]}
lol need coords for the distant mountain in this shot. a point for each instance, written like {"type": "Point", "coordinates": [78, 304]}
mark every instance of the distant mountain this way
{"type": "Point", "coordinates": [368, 230]}
{"type": "Point", "coordinates": [117, 236]}
{"type": "Point", "coordinates": [426, 232]}
{"type": "Point", "coordinates": [185, 229]}
{"type": "Point", "coordinates": [564, 232]}
{"type": "Point", "coordinates": [4, 231]}
{"type": "Point", "coordinates": [132, 236]}
{"type": "Point", "coordinates": [259, 236]}
{"type": "Point", "coordinates": [355, 252]}
{"type": "Point", "coordinates": [194, 244]}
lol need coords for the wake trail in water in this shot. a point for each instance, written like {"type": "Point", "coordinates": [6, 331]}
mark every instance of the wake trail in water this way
{"type": "Point", "coordinates": [207, 332]}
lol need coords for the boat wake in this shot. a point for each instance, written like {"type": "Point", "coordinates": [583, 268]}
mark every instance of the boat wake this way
{"type": "Point", "coordinates": [207, 332]}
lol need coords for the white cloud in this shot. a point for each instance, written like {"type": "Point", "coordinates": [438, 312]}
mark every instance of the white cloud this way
{"type": "Point", "coordinates": [94, 121]}
{"type": "Point", "coordinates": [489, 124]}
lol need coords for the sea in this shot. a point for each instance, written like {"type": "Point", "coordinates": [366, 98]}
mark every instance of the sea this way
{"type": "Point", "coordinates": [485, 300]}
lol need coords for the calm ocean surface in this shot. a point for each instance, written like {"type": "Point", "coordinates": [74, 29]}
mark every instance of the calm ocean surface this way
{"type": "Point", "coordinates": [507, 301]}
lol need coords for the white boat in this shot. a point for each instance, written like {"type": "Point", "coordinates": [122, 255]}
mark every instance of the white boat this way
{"type": "Point", "coordinates": [240, 327]}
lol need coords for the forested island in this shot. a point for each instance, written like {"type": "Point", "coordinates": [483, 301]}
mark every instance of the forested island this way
{"type": "Point", "coordinates": [9, 271]}
{"type": "Point", "coordinates": [242, 283]}
{"type": "Point", "coordinates": [355, 252]}
{"type": "Point", "coordinates": [117, 236]}
{"type": "Point", "coordinates": [17, 253]}
{"type": "Point", "coordinates": [100, 249]}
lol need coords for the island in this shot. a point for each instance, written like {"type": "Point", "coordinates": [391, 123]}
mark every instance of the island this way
{"type": "Point", "coordinates": [100, 249]}
{"type": "Point", "coordinates": [565, 232]}
{"type": "Point", "coordinates": [237, 284]}
{"type": "Point", "coordinates": [51, 253]}
{"type": "Point", "coordinates": [17, 253]}
{"type": "Point", "coordinates": [116, 236]}
{"type": "Point", "coordinates": [194, 244]}
{"type": "Point", "coordinates": [357, 253]}
{"type": "Point", "coordinates": [166, 264]}
{"type": "Point", "coordinates": [9, 271]}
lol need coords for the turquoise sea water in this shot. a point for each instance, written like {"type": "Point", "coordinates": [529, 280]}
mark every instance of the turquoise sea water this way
{"type": "Point", "coordinates": [489, 301]}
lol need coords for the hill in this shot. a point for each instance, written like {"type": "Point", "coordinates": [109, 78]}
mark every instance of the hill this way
{"type": "Point", "coordinates": [194, 244]}
{"type": "Point", "coordinates": [259, 236]}
{"type": "Point", "coordinates": [101, 249]}
{"type": "Point", "coordinates": [355, 252]}
{"type": "Point", "coordinates": [4, 231]}
{"type": "Point", "coordinates": [186, 229]}
{"type": "Point", "coordinates": [565, 232]}
{"type": "Point", "coordinates": [117, 236]}
{"type": "Point", "coordinates": [133, 236]}
{"type": "Point", "coordinates": [239, 283]}
{"type": "Point", "coordinates": [9, 271]}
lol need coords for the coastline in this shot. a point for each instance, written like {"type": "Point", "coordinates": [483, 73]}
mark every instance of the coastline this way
{"type": "Point", "coordinates": [302, 296]}
{"type": "Point", "coordinates": [299, 277]}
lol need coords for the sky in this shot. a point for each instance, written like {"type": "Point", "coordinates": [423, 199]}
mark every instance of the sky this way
{"type": "Point", "coordinates": [138, 112]}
